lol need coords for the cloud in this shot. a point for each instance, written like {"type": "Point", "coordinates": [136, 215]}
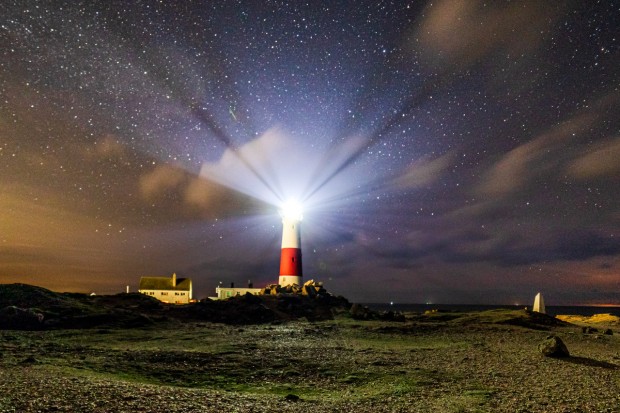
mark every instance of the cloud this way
{"type": "Point", "coordinates": [184, 194]}
{"type": "Point", "coordinates": [47, 243]}
{"type": "Point", "coordinates": [110, 147]}
{"type": "Point", "coordinates": [520, 166]}
{"type": "Point", "coordinates": [506, 243]}
{"type": "Point", "coordinates": [256, 168]}
{"type": "Point", "coordinates": [423, 172]}
{"type": "Point", "coordinates": [604, 161]}
{"type": "Point", "coordinates": [512, 172]}
{"type": "Point", "coordinates": [161, 180]}
{"type": "Point", "coordinates": [274, 167]}
{"type": "Point", "coordinates": [198, 192]}
{"type": "Point", "coordinates": [463, 31]}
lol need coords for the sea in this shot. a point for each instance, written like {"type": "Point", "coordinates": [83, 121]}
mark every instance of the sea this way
{"type": "Point", "coordinates": [551, 310]}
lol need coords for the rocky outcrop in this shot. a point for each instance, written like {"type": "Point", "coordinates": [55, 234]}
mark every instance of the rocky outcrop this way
{"type": "Point", "coordinates": [253, 309]}
{"type": "Point", "coordinates": [361, 312]}
{"type": "Point", "coordinates": [553, 346]}
{"type": "Point", "coordinates": [71, 310]}
{"type": "Point", "coordinates": [15, 318]}
{"type": "Point", "coordinates": [310, 289]}
{"type": "Point", "coordinates": [245, 309]}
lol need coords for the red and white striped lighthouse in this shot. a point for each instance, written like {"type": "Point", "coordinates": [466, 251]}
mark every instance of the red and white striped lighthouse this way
{"type": "Point", "coordinates": [290, 259]}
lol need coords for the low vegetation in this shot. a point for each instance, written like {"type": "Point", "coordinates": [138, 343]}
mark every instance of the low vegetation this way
{"type": "Point", "coordinates": [453, 362]}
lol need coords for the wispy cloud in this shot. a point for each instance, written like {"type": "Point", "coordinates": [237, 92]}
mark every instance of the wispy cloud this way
{"type": "Point", "coordinates": [423, 172]}
{"type": "Point", "coordinates": [515, 170]}
{"type": "Point", "coordinates": [460, 32]}
{"type": "Point", "coordinates": [603, 161]}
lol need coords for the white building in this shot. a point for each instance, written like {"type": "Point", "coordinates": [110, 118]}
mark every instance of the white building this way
{"type": "Point", "coordinates": [222, 293]}
{"type": "Point", "coordinates": [167, 289]}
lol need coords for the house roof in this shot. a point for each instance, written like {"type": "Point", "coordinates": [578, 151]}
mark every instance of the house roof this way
{"type": "Point", "coordinates": [165, 283]}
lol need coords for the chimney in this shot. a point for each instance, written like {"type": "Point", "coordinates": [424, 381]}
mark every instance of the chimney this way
{"type": "Point", "coordinates": [250, 285]}
{"type": "Point", "coordinates": [232, 285]}
{"type": "Point", "coordinates": [174, 279]}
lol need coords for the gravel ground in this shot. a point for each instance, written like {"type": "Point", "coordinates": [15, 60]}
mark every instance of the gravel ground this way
{"type": "Point", "coordinates": [334, 367]}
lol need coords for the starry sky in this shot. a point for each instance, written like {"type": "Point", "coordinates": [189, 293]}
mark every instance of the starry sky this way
{"type": "Point", "coordinates": [444, 151]}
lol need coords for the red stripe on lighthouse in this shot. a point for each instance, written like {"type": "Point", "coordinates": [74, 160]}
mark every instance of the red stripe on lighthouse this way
{"type": "Point", "coordinates": [290, 262]}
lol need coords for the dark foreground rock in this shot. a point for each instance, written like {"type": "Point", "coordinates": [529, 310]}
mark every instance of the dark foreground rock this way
{"type": "Point", "coordinates": [362, 312]}
{"type": "Point", "coordinates": [26, 307]}
{"type": "Point", "coordinates": [553, 346]}
{"type": "Point", "coordinates": [12, 317]}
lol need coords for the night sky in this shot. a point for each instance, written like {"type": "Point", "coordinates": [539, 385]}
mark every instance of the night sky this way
{"type": "Point", "coordinates": [444, 151]}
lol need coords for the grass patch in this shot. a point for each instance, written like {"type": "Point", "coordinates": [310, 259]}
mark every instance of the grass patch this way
{"type": "Point", "coordinates": [336, 364]}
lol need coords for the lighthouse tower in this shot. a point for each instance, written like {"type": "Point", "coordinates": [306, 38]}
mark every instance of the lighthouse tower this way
{"type": "Point", "coordinates": [290, 259]}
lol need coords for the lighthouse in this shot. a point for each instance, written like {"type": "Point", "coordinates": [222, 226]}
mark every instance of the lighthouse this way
{"type": "Point", "coordinates": [290, 258]}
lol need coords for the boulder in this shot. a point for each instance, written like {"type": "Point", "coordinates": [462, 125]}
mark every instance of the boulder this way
{"type": "Point", "coordinates": [309, 291]}
{"type": "Point", "coordinates": [392, 316]}
{"type": "Point", "coordinates": [360, 312]}
{"type": "Point", "coordinates": [608, 332]}
{"type": "Point", "coordinates": [16, 318]}
{"type": "Point", "coordinates": [553, 346]}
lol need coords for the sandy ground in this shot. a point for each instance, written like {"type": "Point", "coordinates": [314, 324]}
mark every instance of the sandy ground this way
{"type": "Point", "coordinates": [331, 366]}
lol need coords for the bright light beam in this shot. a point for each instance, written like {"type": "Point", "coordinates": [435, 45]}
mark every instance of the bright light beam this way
{"type": "Point", "coordinates": [292, 210]}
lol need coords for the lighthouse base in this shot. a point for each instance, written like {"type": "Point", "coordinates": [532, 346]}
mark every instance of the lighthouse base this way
{"type": "Point", "coordinates": [285, 280]}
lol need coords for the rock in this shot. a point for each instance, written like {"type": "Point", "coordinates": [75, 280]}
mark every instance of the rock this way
{"type": "Point", "coordinates": [308, 290]}
{"type": "Point", "coordinates": [392, 316]}
{"type": "Point", "coordinates": [291, 397]}
{"type": "Point", "coordinates": [15, 318]}
{"type": "Point", "coordinates": [251, 298]}
{"type": "Point", "coordinates": [589, 330]}
{"type": "Point", "coordinates": [553, 346]}
{"type": "Point", "coordinates": [608, 332]}
{"type": "Point", "coordinates": [29, 360]}
{"type": "Point", "coordinates": [360, 312]}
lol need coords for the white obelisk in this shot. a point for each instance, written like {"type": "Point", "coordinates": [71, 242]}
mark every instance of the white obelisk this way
{"type": "Point", "coordinates": [539, 304]}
